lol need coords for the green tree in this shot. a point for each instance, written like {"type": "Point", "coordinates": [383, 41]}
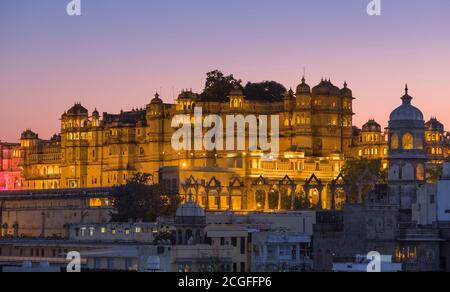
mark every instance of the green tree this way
{"type": "Point", "coordinates": [218, 86]}
{"type": "Point", "coordinates": [139, 200]}
{"type": "Point", "coordinates": [434, 172]}
{"type": "Point", "coordinates": [363, 175]}
{"type": "Point", "coordinates": [264, 91]}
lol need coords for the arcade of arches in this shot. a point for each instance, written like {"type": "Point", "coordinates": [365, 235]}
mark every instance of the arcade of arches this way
{"type": "Point", "coordinates": [263, 194]}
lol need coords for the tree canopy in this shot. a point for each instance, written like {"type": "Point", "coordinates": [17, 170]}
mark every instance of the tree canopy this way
{"type": "Point", "coordinates": [264, 91]}
{"type": "Point", "coordinates": [218, 86]}
{"type": "Point", "coordinates": [139, 200]}
{"type": "Point", "coordinates": [363, 175]}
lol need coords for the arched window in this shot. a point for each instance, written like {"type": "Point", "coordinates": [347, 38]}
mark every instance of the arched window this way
{"type": "Point", "coordinates": [260, 200]}
{"type": "Point", "coordinates": [420, 173]}
{"type": "Point", "coordinates": [408, 141]}
{"type": "Point", "coordinates": [394, 141]}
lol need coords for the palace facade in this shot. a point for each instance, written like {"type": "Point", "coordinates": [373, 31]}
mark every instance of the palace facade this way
{"type": "Point", "coordinates": [316, 136]}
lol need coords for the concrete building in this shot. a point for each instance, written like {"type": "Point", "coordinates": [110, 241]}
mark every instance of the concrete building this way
{"type": "Point", "coordinates": [48, 213]}
{"type": "Point", "coordinates": [287, 221]}
{"type": "Point", "coordinates": [281, 252]}
{"type": "Point", "coordinates": [115, 232]}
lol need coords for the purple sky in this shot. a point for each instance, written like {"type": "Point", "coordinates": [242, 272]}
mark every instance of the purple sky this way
{"type": "Point", "coordinates": [120, 52]}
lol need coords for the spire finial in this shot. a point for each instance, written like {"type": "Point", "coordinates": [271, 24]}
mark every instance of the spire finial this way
{"type": "Point", "coordinates": [345, 84]}
{"type": "Point", "coordinates": [406, 98]}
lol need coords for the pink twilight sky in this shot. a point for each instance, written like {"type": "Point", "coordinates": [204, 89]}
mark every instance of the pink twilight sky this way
{"type": "Point", "coordinates": [119, 53]}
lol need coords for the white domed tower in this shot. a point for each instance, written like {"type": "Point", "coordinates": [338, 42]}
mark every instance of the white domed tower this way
{"type": "Point", "coordinates": [190, 222]}
{"type": "Point", "coordinates": [406, 155]}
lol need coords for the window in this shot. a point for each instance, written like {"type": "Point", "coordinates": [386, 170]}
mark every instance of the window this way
{"type": "Point", "coordinates": [285, 252]}
{"type": "Point", "coordinates": [432, 199]}
{"type": "Point", "coordinates": [234, 241]}
{"type": "Point", "coordinates": [420, 173]}
{"type": "Point", "coordinates": [242, 267]}
{"type": "Point", "coordinates": [408, 141]}
{"type": "Point", "coordinates": [294, 252]}
{"type": "Point", "coordinates": [103, 230]}
{"type": "Point", "coordinates": [243, 245]}
{"type": "Point", "coordinates": [394, 142]}
{"type": "Point", "coordinates": [137, 229]}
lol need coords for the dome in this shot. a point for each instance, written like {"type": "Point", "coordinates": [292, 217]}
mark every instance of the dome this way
{"type": "Point", "coordinates": [236, 91]}
{"type": "Point", "coordinates": [56, 138]}
{"type": "Point", "coordinates": [371, 126]}
{"type": "Point", "coordinates": [406, 112]}
{"type": "Point", "coordinates": [28, 134]}
{"type": "Point", "coordinates": [156, 100]}
{"type": "Point", "coordinates": [434, 125]}
{"type": "Point", "coordinates": [289, 94]}
{"type": "Point", "coordinates": [77, 109]}
{"type": "Point", "coordinates": [95, 113]}
{"type": "Point", "coordinates": [187, 94]}
{"type": "Point", "coordinates": [303, 87]}
{"type": "Point", "coordinates": [190, 209]}
{"type": "Point", "coordinates": [346, 92]}
{"type": "Point", "coordinates": [325, 87]}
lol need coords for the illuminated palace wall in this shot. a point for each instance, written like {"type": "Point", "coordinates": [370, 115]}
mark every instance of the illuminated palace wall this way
{"type": "Point", "coordinates": [10, 171]}
{"type": "Point", "coordinates": [316, 136]}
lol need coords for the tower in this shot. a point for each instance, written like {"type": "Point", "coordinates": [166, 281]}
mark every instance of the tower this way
{"type": "Point", "coordinates": [190, 222]}
{"type": "Point", "coordinates": [331, 118]}
{"type": "Point", "coordinates": [406, 155]}
{"type": "Point", "coordinates": [74, 147]}
{"type": "Point", "coordinates": [302, 118]}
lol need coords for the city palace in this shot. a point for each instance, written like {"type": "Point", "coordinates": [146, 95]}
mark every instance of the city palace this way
{"type": "Point", "coordinates": [317, 136]}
